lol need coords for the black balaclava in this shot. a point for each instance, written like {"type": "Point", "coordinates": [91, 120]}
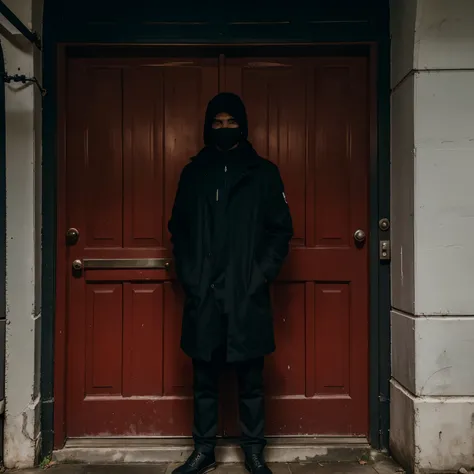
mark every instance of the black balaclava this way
{"type": "Point", "coordinates": [225, 138]}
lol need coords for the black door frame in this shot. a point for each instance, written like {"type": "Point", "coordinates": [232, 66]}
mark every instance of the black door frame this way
{"type": "Point", "coordinates": [378, 43]}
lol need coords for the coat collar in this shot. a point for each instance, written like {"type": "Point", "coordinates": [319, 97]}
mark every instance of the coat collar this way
{"type": "Point", "coordinates": [244, 153]}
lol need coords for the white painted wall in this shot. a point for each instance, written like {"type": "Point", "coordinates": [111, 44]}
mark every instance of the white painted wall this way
{"type": "Point", "coordinates": [444, 193]}
{"type": "Point", "coordinates": [23, 275]}
{"type": "Point", "coordinates": [432, 401]}
{"type": "Point", "coordinates": [432, 142]}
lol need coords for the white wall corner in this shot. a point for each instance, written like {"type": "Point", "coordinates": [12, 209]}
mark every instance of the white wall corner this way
{"type": "Point", "coordinates": [444, 34]}
{"type": "Point", "coordinates": [403, 350]}
{"type": "Point", "coordinates": [23, 402]}
{"type": "Point", "coordinates": [443, 193]}
{"type": "Point", "coordinates": [444, 434]}
{"type": "Point", "coordinates": [21, 439]}
{"type": "Point", "coordinates": [432, 394]}
{"type": "Point", "coordinates": [402, 198]}
{"type": "Point", "coordinates": [402, 31]}
{"type": "Point", "coordinates": [402, 426]}
{"type": "Point", "coordinates": [431, 434]}
{"type": "Point", "coordinates": [443, 356]}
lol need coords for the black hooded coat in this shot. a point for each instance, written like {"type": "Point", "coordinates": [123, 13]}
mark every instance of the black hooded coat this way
{"type": "Point", "coordinates": [230, 228]}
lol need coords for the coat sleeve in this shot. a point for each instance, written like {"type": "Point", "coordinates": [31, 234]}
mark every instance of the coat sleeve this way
{"type": "Point", "coordinates": [278, 227]}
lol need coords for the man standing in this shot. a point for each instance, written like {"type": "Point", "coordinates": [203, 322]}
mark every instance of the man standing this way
{"type": "Point", "coordinates": [230, 228]}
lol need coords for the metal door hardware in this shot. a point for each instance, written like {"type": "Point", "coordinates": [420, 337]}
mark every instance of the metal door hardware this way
{"type": "Point", "coordinates": [384, 224]}
{"type": "Point", "coordinates": [72, 236]}
{"type": "Point", "coordinates": [359, 236]}
{"type": "Point", "coordinates": [127, 263]}
{"type": "Point", "coordinates": [77, 265]}
{"type": "Point", "coordinates": [384, 250]}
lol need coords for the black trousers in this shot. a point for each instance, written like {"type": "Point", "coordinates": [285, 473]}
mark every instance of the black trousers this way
{"type": "Point", "coordinates": [251, 402]}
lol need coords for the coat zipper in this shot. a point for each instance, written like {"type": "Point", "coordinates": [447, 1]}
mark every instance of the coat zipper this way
{"type": "Point", "coordinates": [225, 184]}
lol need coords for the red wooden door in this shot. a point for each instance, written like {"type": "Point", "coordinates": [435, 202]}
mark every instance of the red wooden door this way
{"type": "Point", "coordinates": [131, 127]}
{"type": "Point", "coordinates": [130, 131]}
{"type": "Point", "coordinates": [310, 116]}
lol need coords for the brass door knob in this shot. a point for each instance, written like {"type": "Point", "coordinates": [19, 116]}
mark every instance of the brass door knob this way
{"type": "Point", "coordinates": [359, 236]}
{"type": "Point", "coordinates": [72, 236]}
{"type": "Point", "coordinates": [77, 265]}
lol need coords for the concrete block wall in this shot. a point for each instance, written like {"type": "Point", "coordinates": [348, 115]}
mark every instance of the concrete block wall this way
{"type": "Point", "coordinates": [432, 400]}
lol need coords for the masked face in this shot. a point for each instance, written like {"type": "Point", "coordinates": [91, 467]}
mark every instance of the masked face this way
{"type": "Point", "coordinates": [226, 132]}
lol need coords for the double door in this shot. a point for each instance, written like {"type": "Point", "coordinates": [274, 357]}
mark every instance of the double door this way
{"type": "Point", "coordinates": [131, 126]}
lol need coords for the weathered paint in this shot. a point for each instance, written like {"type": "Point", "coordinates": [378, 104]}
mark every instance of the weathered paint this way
{"type": "Point", "coordinates": [22, 251]}
{"type": "Point", "coordinates": [432, 395]}
{"type": "Point", "coordinates": [2, 250]}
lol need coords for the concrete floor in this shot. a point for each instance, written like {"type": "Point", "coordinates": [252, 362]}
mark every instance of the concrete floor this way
{"type": "Point", "coordinates": [380, 467]}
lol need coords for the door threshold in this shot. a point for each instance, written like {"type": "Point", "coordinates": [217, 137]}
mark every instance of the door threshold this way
{"type": "Point", "coordinates": [169, 450]}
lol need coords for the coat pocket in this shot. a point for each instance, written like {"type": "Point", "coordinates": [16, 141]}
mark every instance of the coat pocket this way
{"type": "Point", "coordinates": [259, 299]}
{"type": "Point", "coordinates": [190, 290]}
{"type": "Point", "coordinates": [189, 279]}
{"type": "Point", "coordinates": [191, 304]}
{"type": "Point", "coordinates": [258, 282]}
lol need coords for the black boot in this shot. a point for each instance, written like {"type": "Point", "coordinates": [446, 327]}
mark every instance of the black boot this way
{"type": "Point", "coordinates": [255, 464]}
{"type": "Point", "coordinates": [198, 463]}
